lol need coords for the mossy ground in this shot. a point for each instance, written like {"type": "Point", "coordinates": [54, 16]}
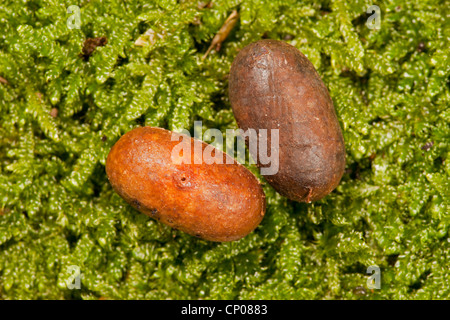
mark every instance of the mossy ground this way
{"type": "Point", "coordinates": [60, 113]}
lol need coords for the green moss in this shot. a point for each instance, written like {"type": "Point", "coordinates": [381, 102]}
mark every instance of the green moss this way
{"type": "Point", "coordinates": [391, 91]}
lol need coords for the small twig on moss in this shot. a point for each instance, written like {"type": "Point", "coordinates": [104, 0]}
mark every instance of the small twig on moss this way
{"type": "Point", "coordinates": [3, 80]}
{"type": "Point", "coordinates": [90, 44]}
{"type": "Point", "coordinates": [54, 112]}
{"type": "Point", "coordinates": [223, 33]}
{"type": "Point", "coordinates": [206, 4]}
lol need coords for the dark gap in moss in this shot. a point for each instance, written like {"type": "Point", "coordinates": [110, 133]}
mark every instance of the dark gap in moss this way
{"type": "Point", "coordinates": [42, 61]}
{"type": "Point", "coordinates": [87, 30]}
{"type": "Point", "coordinates": [5, 245]}
{"type": "Point", "coordinates": [164, 123]}
{"type": "Point", "coordinates": [406, 57]}
{"type": "Point", "coordinates": [395, 25]}
{"type": "Point", "coordinates": [34, 7]}
{"type": "Point", "coordinates": [141, 120]}
{"type": "Point", "coordinates": [357, 267]}
{"type": "Point", "coordinates": [361, 19]}
{"type": "Point", "coordinates": [125, 274]}
{"type": "Point", "coordinates": [199, 46]}
{"type": "Point", "coordinates": [118, 223]}
{"type": "Point", "coordinates": [121, 61]}
{"type": "Point", "coordinates": [75, 294]}
{"type": "Point", "coordinates": [355, 171]}
{"type": "Point", "coordinates": [376, 120]}
{"type": "Point", "coordinates": [364, 97]}
{"type": "Point", "coordinates": [392, 259]}
{"type": "Point", "coordinates": [81, 115]}
{"type": "Point", "coordinates": [98, 180]}
{"type": "Point", "coordinates": [58, 177]}
{"type": "Point", "coordinates": [364, 80]}
{"type": "Point", "coordinates": [64, 156]}
{"type": "Point", "coordinates": [142, 27]}
{"type": "Point", "coordinates": [326, 61]}
{"type": "Point", "coordinates": [37, 132]}
{"type": "Point", "coordinates": [64, 41]}
{"type": "Point", "coordinates": [419, 282]}
{"type": "Point", "coordinates": [326, 7]}
{"type": "Point", "coordinates": [438, 162]}
{"type": "Point", "coordinates": [72, 238]}
{"type": "Point", "coordinates": [358, 81]}
{"type": "Point", "coordinates": [364, 228]}
{"type": "Point", "coordinates": [405, 217]}
{"type": "Point", "coordinates": [110, 83]}
{"type": "Point", "coordinates": [136, 79]}
{"type": "Point", "coordinates": [219, 102]}
{"type": "Point", "coordinates": [309, 234]}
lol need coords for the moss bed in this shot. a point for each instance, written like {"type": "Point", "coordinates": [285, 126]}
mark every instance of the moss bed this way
{"type": "Point", "coordinates": [65, 101]}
